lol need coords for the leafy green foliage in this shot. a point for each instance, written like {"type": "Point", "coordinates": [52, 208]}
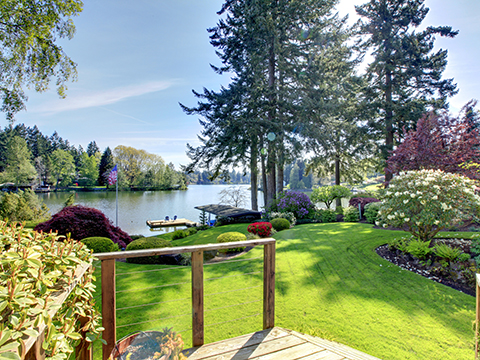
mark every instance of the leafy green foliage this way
{"type": "Point", "coordinates": [34, 266]}
{"type": "Point", "coordinates": [147, 243]}
{"type": "Point", "coordinates": [371, 211]}
{"type": "Point", "coordinates": [22, 206]}
{"type": "Point", "coordinates": [350, 214]}
{"type": "Point", "coordinates": [328, 194]}
{"type": "Point", "coordinates": [427, 201]}
{"type": "Point", "coordinates": [280, 224]}
{"type": "Point", "coordinates": [179, 234]}
{"type": "Point", "coordinates": [100, 244]}
{"type": "Point", "coordinates": [419, 249]}
{"type": "Point", "coordinates": [18, 164]}
{"type": "Point", "coordinates": [326, 215]}
{"type": "Point", "coordinates": [446, 252]}
{"type": "Point", "coordinates": [30, 51]}
{"type": "Point", "coordinates": [191, 230]}
{"type": "Point", "coordinates": [400, 244]}
{"type": "Point", "coordinates": [231, 236]}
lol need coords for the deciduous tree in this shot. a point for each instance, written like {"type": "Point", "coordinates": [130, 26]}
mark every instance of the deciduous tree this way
{"type": "Point", "coordinates": [29, 51]}
{"type": "Point", "coordinates": [19, 168]}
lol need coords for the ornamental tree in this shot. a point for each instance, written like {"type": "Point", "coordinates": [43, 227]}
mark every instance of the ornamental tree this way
{"type": "Point", "coordinates": [424, 202]}
{"type": "Point", "coordinates": [440, 142]}
{"type": "Point", "coordinates": [328, 194]}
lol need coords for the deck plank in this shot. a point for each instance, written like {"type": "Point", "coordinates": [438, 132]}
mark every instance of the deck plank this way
{"type": "Point", "coordinates": [224, 346]}
{"type": "Point", "coordinates": [275, 344]}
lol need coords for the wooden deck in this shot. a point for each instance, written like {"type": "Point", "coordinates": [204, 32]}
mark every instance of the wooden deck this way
{"type": "Point", "coordinates": [278, 344]}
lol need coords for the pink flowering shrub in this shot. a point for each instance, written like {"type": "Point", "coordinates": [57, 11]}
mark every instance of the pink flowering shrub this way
{"type": "Point", "coordinates": [262, 229]}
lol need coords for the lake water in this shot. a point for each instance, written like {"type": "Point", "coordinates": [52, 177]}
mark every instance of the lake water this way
{"type": "Point", "coordinates": [136, 207]}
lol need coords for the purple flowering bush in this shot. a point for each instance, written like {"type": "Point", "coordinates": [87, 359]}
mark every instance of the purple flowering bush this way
{"type": "Point", "coordinates": [295, 202]}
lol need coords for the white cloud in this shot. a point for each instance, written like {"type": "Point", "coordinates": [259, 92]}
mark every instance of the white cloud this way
{"type": "Point", "coordinates": [102, 98]}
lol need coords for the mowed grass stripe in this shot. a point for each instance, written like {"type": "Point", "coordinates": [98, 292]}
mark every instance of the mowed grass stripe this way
{"type": "Point", "coordinates": [329, 283]}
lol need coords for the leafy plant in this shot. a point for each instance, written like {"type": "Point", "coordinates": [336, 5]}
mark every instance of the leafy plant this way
{"type": "Point", "coordinates": [446, 252]}
{"type": "Point", "coordinates": [427, 201]}
{"type": "Point", "coordinates": [100, 244]}
{"type": "Point", "coordinates": [280, 224]}
{"type": "Point", "coordinates": [148, 243]}
{"type": "Point", "coordinates": [350, 214]}
{"type": "Point", "coordinates": [400, 244]}
{"type": "Point", "coordinates": [179, 234]}
{"type": "Point", "coordinates": [328, 194]}
{"type": "Point", "coordinates": [33, 267]}
{"type": "Point", "coordinates": [326, 215]}
{"type": "Point", "coordinates": [371, 211]}
{"type": "Point", "coordinates": [82, 222]}
{"type": "Point", "coordinates": [262, 229]}
{"type": "Point", "coordinates": [231, 236]}
{"type": "Point", "coordinates": [22, 206]}
{"type": "Point", "coordinates": [419, 249]}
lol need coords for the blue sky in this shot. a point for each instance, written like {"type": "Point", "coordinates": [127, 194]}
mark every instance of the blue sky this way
{"type": "Point", "coordinates": [138, 59]}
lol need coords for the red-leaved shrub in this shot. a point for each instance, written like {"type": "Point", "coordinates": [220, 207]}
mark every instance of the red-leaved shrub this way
{"type": "Point", "coordinates": [82, 222]}
{"type": "Point", "coordinates": [355, 201]}
{"type": "Point", "coordinates": [262, 229]}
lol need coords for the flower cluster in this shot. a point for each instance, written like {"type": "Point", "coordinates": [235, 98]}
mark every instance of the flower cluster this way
{"type": "Point", "coordinates": [295, 202]}
{"type": "Point", "coordinates": [426, 201]}
{"type": "Point", "coordinates": [283, 215]}
{"type": "Point", "coordinates": [262, 229]}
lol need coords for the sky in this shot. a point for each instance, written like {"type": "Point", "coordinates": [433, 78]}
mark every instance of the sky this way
{"type": "Point", "coordinates": [137, 60]}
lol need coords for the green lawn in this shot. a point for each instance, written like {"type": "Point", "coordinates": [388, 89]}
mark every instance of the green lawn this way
{"type": "Point", "coordinates": [329, 283]}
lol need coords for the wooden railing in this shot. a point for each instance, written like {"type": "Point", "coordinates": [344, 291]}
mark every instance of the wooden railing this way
{"type": "Point", "coordinates": [477, 314]}
{"type": "Point", "coordinates": [108, 285]}
{"type": "Point", "coordinates": [32, 346]}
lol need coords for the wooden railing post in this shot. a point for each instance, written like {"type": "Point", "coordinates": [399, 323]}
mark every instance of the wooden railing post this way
{"type": "Point", "coordinates": [84, 350]}
{"type": "Point", "coordinates": [268, 286]}
{"type": "Point", "coordinates": [108, 306]}
{"type": "Point", "coordinates": [477, 313]}
{"type": "Point", "coordinates": [36, 351]}
{"type": "Point", "coordinates": [197, 298]}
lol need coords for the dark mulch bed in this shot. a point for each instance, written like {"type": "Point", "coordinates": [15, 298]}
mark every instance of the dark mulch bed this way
{"type": "Point", "coordinates": [407, 262]}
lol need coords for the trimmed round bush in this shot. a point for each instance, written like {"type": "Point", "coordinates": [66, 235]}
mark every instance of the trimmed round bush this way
{"type": "Point", "coordinates": [280, 224]}
{"type": "Point", "coordinates": [179, 234]}
{"type": "Point", "coordinates": [231, 236]}
{"type": "Point", "coordinates": [100, 244]}
{"type": "Point", "coordinates": [82, 222]}
{"type": "Point", "coordinates": [148, 243]}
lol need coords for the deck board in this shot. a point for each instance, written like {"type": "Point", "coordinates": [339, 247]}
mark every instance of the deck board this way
{"type": "Point", "coordinates": [273, 344]}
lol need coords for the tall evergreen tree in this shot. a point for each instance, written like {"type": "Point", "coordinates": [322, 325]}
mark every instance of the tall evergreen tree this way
{"type": "Point", "coordinates": [105, 166]}
{"type": "Point", "coordinates": [92, 148]}
{"type": "Point", "coordinates": [405, 77]}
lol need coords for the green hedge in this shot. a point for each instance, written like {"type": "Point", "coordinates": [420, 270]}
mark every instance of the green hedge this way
{"type": "Point", "coordinates": [148, 243]}
{"type": "Point", "coordinates": [100, 244]}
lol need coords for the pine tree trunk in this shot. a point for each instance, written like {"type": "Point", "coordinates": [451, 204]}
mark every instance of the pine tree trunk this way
{"type": "Point", "coordinates": [264, 181]}
{"type": "Point", "coordinates": [254, 176]}
{"type": "Point", "coordinates": [388, 119]}
{"type": "Point", "coordinates": [271, 178]}
{"type": "Point", "coordinates": [338, 202]}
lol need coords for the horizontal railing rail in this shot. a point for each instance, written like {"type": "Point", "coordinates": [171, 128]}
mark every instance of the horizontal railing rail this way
{"type": "Point", "coordinates": [109, 286]}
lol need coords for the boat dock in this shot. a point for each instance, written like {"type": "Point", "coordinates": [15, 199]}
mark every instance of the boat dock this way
{"type": "Point", "coordinates": [170, 223]}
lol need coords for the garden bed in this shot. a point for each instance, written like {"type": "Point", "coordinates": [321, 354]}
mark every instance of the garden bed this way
{"type": "Point", "coordinates": [454, 276]}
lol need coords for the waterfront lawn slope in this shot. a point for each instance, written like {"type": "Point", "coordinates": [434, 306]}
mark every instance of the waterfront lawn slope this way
{"type": "Point", "coordinates": [329, 283]}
